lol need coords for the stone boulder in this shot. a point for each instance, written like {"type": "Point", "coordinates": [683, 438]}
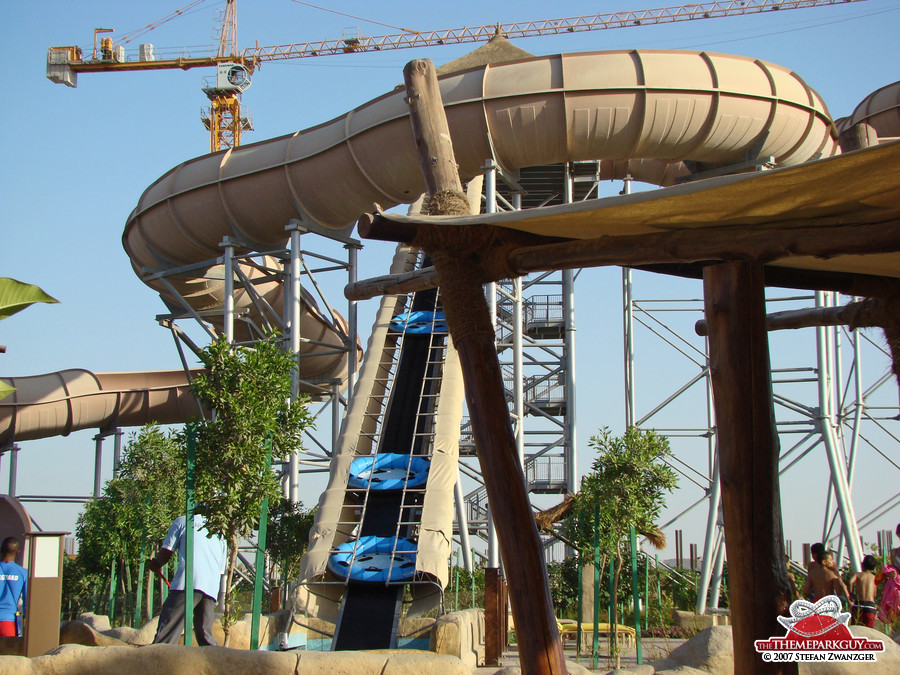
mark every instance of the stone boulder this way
{"type": "Point", "coordinates": [712, 651]}
{"type": "Point", "coordinates": [79, 633]}
{"type": "Point", "coordinates": [166, 659]}
{"type": "Point", "coordinates": [99, 622]}
{"type": "Point", "coordinates": [135, 636]}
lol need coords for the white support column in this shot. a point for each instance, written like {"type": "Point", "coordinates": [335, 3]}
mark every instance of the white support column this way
{"type": "Point", "coordinates": [709, 545]}
{"type": "Point", "coordinates": [857, 421]}
{"type": "Point", "coordinates": [13, 468]}
{"type": "Point", "coordinates": [117, 451]}
{"type": "Point", "coordinates": [827, 428]}
{"type": "Point", "coordinates": [98, 463]}
{"type": "Point", "coordinates": [568, 293]}
{"type": "Point", "coordinates": [718, 568]}
{"type": "Point", "coordinates": [463, 523]}
{"type": "Point", "coordinates": [295, 230]}
{"type": "Point", "coordinates": [353, 328]}
{"type": "Point", "coordinates": [490, 206]}
{"type": "Point", "coordinates": [628, 311]}
{"type": "Point", "coordinates": [335, 412]}
{"type": "Point", "coordinates": [518, 370]}
{"type": "Point", "coordinates": [228, 271]}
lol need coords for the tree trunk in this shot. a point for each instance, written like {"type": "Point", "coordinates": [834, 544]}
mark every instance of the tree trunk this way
{"type": "Point", "coordinates": [748, 458]}
{"type": "Point", "coordinates": [229, 577]}
{"type": "Point", "coordinates": [455, 253]}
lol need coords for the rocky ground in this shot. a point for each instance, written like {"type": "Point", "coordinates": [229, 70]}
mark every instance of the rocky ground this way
{"type": "Point", "coordinates": [91, 647]}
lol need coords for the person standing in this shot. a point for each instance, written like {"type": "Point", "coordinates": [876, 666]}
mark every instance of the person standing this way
{"type": "Point", "coordinates": [13, 585]}
{"type": "Point", "coordinates": [862, 585]}
{"type": "Point", "coordinates": [209, 564]}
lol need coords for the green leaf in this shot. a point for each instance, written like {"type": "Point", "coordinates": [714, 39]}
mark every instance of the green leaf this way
{"type": "Point", "coordinates": [5, 390]}
{"type": "Point", "coordinates": [16, 296]}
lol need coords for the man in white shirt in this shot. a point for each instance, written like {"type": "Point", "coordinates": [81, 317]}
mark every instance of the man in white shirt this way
{"type": "Point", "coordinates": [209, 564]}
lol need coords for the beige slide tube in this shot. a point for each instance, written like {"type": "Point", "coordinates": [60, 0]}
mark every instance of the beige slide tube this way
{"type": "Point", "coordinates": [59, 403]}
{"type": "Point", "coordinates": [629, 109]}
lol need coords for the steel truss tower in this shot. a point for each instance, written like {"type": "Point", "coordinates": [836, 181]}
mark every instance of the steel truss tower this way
{"type": "Point", "coordinates": [298, 271]}
{"type": "Point", "coordinates": [834, 401]}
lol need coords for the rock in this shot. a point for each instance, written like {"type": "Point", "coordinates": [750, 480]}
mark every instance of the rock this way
{"type": "Point", "coordinates": [711, 650]}
{"type": "Point", "coordinates": [16, 665]}
{"type": "Point", "coordinates": [135, 636]}
{"type": "Point", "coordinates": [99, 622]}
{"type": "Point", "coordinates": [644, 669]}
{"type": "Point", "coordinates": [460, 634]}
{"type": "Point", "coordinates": [888, 660]}
{"type": "Point", "coordinates": [77, 632]}
{"type": "Point", "coordinates": [166, 659]}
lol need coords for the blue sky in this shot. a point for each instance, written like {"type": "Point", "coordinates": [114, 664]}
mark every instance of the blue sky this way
{"type": "Point", "coordinates": [75, 161]}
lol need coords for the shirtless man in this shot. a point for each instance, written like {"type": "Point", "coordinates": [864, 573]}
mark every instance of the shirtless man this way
{"type": "Point", "coordinates": [862, 584]}
{"type": "Point", "coordinates": [822, 578]}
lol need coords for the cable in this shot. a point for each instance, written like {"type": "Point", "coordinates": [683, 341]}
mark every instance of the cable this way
{"type": "Point", "coordinates": [353, 16]}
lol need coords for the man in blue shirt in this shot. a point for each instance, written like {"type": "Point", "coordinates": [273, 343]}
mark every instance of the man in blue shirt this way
{"type": "Point", "coordinates": [13, 583]}
{"type": "Point", "coordinates": [209, 564]}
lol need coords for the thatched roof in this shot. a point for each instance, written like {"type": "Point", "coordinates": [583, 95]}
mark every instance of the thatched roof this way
{"type": "Point", "coordinates": [496, 50]}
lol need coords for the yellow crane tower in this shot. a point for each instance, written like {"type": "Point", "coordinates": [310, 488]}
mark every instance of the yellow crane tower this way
{"type": "Point", "coordinates": [234, 68]}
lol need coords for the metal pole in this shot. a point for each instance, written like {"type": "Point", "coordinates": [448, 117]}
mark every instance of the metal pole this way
{"type": "Point", "coordinates": [463, 523]}
{"type": "Point", "coordinates": [352, 319]}
{"type": "Point", "coordinates": [568, 293]}
{"type": "Point", "coordinates": [595, 643]}
{"type": "Point", "coordinates": [857, 418]}
{"type": "Point", "coordinates": [228, 271]}
{"type": "Point", "coordinates": [117, 451]}
{"type": "Point", "coordinates": [98, 463]}
{"type": "Point", "coordinates": [636, 594]}
{"type": "Point", "coordinates": [579, 606]}
{"type": "Point", "coordinates": [296, 266]}
{"type": "Point", "coordinates": [628, 309]}
{"type": "Point", "coordinates": [718, 570]}
{"type": "Point", "coordinates": [493, 559]}
{"type": "Point", "coordinates": [259, 567]}
{"type": "Point", "coordinates": [518, 354]}
{"type": "Point", "coordinates": [189, 537]}
{"type": "Point", "coordinates": [13, 468]}
{"type": "Point", "coordinates": [837, 467]}
{"type": "Point", "coordinates": [335, 412]}
{"type": "Point", "coordinates": [490, 206]}
{"type": "Point", "coordinates": [710, 542]}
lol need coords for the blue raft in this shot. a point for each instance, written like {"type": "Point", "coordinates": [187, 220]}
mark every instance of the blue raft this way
{"type": "Point", "coordinates": [375, 559]}
{"type": "Point", "coordinates": [388, 471]}
{"type": "Point", "coordinates": [419, 323]}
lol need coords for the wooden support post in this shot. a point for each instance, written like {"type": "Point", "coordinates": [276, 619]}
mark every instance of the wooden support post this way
{"type": "Point", "coordinates": [748, 458]}
{"type": "Point", "coordinates": [457, 259]}
{"type": "Point", "coordinates": [493, 622]}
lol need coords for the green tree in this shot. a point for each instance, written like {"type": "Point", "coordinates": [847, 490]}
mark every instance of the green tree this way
{"type": "Point", "coordinates": [626, 488]}
{"type": "Point", "coordinates": [249, 390]}
{"type": "Point", "coordinates": [287, 536]}
{"type": "Point", "coordinates": [136, 506]}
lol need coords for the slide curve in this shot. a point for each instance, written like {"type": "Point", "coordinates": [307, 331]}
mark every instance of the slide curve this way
{"type": "Point", "coordinates": [654, 114]}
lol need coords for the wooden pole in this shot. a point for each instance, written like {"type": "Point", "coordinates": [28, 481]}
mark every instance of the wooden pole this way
{"type": "Point", "coordinates": [455, 252]}
{"type": "Point", "coordinates": [748, 458]}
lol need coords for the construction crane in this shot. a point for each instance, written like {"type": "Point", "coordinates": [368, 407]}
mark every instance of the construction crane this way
{"type": "Point", "coordinates": [234, 68]}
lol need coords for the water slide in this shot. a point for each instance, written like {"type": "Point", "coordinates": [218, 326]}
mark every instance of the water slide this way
{"type": "Point", "coordinates": [657, 115]}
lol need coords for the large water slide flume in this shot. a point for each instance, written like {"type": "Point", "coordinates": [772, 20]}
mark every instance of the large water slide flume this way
{"type": "Point", "coordinates": [644, 112]}
{"type": "Point", "coordinates": [653, 114]}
